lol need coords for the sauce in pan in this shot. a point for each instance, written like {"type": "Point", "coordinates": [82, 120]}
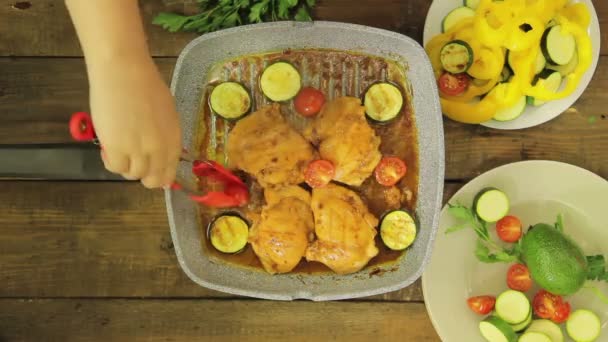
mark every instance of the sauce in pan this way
{"type": "Point", "coordinates": [335, 73]}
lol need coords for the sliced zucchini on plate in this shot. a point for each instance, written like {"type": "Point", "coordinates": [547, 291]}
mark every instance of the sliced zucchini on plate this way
{"type": "Point", "coordinates": [491, 205]}
{"type": "Point", "coordinates": [383, 102]}
{"type": "Point", "coordinates": [494, 329]}
{"type": "Point", "coordinates": [398, 230]}
{"type": "Point", "coordinates": [534, 337]}
{"type": "Point", "coordinates": [523, 325]}
{"type": "Point", "coordinates": [567, 69]}
{"type": "Point", "coordinates": [557, 47]}
{"type": "Point", "coordinates": [229, 233]}
{"type": "Point", "coordinates": [539, 64]}
{"type": "Point", "coordinates": [513, 307]}
{"type": "Point", "coordinates": [548, 328]}
{"type": "Point", "coordinates": [513, 112]}
{"type": "Point", "coordinates": [551, 80]}
{"type": "Point", "coordinates": [280, 81]}
{"type": "Point", "coordinates": [456, 56]}
{"type": "Point", "coordinates": [230, 100]}
{"type": "Point", "coordinates": [583, 326]}
{"type": "Point", "coordinates": [455, 16]}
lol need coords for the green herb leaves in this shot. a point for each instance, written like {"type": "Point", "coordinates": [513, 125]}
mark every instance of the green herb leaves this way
{"type": "Point", "coordinates": [597, 268]}
{"type": "Point", "coordinates": [486, 250]}
{"type": "Point", "coordinates": [219, 14]}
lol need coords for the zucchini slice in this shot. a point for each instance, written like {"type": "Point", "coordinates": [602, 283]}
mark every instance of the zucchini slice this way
{"type": "Point", "coordinates": [583, 326]}
{"type": "Point", "coordinates": [494, 329]}
{"type": "Point", "coordinates": [280, 82]}
{"type": "Point", "coordinates": [548, 328]}
{"type": "Point", "coordinates": [539, 64]}
{"type": "Point", "coordinates": [513, 307]}
{"type": "Point", "coordinates": [398, 230]}
{"type": "Point", "coordinates": [230, 100]}
{"type": "Point", "coordinates": [491, 205]}
{"type": "Point", "coordinates": [228, 233]}
{"type": "Point", "coordinates": [550, 80]}
{"type": "Point", "coordinates": [567, 69]}
{"type": "Point", "coordinates": [557, 47]}
{"type": "Point", "coordinates": [513, 112]}
{"type": "Point", "coordinates": [455, 16]}
{"type": "Point", "coordinates": [534, 337]}
{"type": "Point", "coordinates": [472, 4]}
{"type": "Point", "coordinates": [523, 325]}
{"type": "Point", "coordinates": [456, 56]}
{"type": "Point", "coordinates": [383, 102]}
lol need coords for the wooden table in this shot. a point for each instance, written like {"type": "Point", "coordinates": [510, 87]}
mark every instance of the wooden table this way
{"type": "Point", "coordinates": [91, 260]}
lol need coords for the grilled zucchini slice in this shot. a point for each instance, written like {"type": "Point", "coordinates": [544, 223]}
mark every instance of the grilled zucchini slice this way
{"type": "Point", "coordinates": [230, 100]}
{"type": "Point", "coordinates": [398, 230]}
{"type": "Point", "coordinates": [228, 233]}
{"type": "Point", "coordinates": [383, 102]}
{"type": "Point", "coordinates": [280, 82]}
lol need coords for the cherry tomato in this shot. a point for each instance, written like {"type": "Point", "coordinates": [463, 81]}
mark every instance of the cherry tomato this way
{"type": "Point", "coordinates": [453, 85]}
{"type": "Point", "coordinates": [518, 278]}
{"type": "Point", "coordinates": [309, 101]}
{"type": "Point", "coordinates": [390, 170]}
{"type": "Point", "coordinates": [509, 229]}
{"type": "Point", "coordinates": [550, 306]}
{"type": "Point", "coordinates": [319, 173]}
{"type": "Point", "coordinates": [482, 305]}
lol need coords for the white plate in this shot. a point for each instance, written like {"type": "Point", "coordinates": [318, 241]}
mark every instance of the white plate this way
{"type": "Point", "coordinates": [538, 191]}
{"type": "Point", "coordinates": [533, 115]}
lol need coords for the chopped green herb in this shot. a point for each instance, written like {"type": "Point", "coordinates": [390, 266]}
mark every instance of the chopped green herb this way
{"type": "Point", "coordinates": [592, 119]}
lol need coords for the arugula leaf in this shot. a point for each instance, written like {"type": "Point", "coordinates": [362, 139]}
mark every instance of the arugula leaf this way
{"type": "Point", "coordinates": [597, 268]}
{"type": "Point", "coordinates": [460, 212]}
{"type": "Point", "coordinates": [456, 228]}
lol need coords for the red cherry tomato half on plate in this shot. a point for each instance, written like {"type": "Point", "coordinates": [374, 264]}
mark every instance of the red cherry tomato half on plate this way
{"type": "Point", "coordinates": [319, 173]}
{"type": "Point", "coordinates": [518, 278]}
{"type": "Point", "coordinates": [509, 229]}
{"type": "Point", "coordinates": [481, 305]}
{"type": "Point", "coordinates": [453, 85]}
{"type": "Point", "coordinates": [390, 170]}
{"type": "Point", "coordinates": [309, 101]}
{"type": "Point", "coordinates": [550, 306]}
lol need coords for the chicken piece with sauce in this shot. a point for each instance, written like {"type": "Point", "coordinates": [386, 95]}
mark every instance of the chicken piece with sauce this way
{"type": "Point", "coordinates": [345, 138]}
{"type": "Point", "coordinates": [345, 230]}
{"type": "Point", "coordinates": [265, 146]}
{"type": "Point", "coordinates": [281, 235]}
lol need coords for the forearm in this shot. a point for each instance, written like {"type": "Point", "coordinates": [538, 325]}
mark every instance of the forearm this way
{"type": "Point", "coordinates": [109, 31]}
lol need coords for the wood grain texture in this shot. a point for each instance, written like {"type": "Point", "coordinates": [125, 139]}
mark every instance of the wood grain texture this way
{"type": "Point", "coordinates": [226, 320]}
{"type": "Point", "coordinates": [44, 28]}
{"type": "Point", "coordinates": [98, 239]}
{"type": "Point", "coordinates": [37, 96]}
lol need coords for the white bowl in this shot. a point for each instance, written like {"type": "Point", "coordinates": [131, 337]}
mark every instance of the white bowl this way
{"type": "Point", "coordinates": [533, 116]}
{"type": "Point", "coordinates": [538, 191]}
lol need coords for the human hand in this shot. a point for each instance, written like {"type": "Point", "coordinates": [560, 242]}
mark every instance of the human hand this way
{"type": "Point", "coordinates": [135, 120]}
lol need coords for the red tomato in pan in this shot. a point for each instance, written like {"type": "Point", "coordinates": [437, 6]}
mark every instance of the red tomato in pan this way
{"type": "Point", "coordinates": [390, 170]}
{"type": "Point", "coordinates": [309, 101]}
{"type": "Point", "coordinates": [319, 173]}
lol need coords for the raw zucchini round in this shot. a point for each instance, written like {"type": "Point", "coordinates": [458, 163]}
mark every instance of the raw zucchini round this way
{"type": "Point", "coordinates": [491, 205]}
{"type": "Point", "coordinates": [558, 47]}
{"type": "Point", "coordinates": [549, 79]}
{"type": "Point", "coordinates": [228, 233]}
{"type": "Point", "coordinates": [548, 328]}
{"type": "Point", "coordinates": [524, 324]}
{"type": "Point", "coordinates": [280, 81]}
{"type": "Point", "coordinates": [383, 102]}
{"type": "Point", "coordinates": [534, 337]}
{"type": "Point", "coordinates": [230, 100]}
{"type": "Point", "coordinates": [513, 112]}
{"type": "Point", "coordinates": [513, 307]}
{"type": "Point", "coordinates": [583, 326]}
{"type": "Point", "coordinates": [456, 56]}
{"type": "Point", "coordinates": [455, 16]}
{"type": "Point", "coordinates": [398, 230]}
{"type": "Point", "coordinates": [494, 329]}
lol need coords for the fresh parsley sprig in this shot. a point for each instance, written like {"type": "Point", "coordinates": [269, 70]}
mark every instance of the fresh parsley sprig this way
{"type": "Point", "coordinates": [486, 250]}
{"type": "Point", "coordinates": [220, 14]}
{"type": "Point", "coordinates": [597, 268]}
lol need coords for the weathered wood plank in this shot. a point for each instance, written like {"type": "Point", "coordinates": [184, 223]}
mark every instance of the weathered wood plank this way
{"type": "Point", "coordinates": [97, 239]}
{"type": "Point", "coordinates": [208, 320]}
{"type": "Point", "coordinates": [44, 28]}
{"type": "Point", "coordinates": [37, 97]}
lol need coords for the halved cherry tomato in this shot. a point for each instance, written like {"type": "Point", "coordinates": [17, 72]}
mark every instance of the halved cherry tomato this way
{"type": "Point", "coordinates": [509, 229]}
{"type": "Point", "coordinates": [390, 170]}
{"type": "Point", "coordinates": [518, 278]}
{"type": "Point", "coordinates": [482, 305]}
{"type": "Point", "coordinates": [319, 173]}
{"type": "Point", "coordinates": [309, 101]}
{"type": "Point", "coordinates": [453, 85]}
{"type": "Point", "coordinates": [550, 306]}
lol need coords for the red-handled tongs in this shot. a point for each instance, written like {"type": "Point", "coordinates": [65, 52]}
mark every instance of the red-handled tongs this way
{"type": "Point", "coordinates": [234, 194]}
